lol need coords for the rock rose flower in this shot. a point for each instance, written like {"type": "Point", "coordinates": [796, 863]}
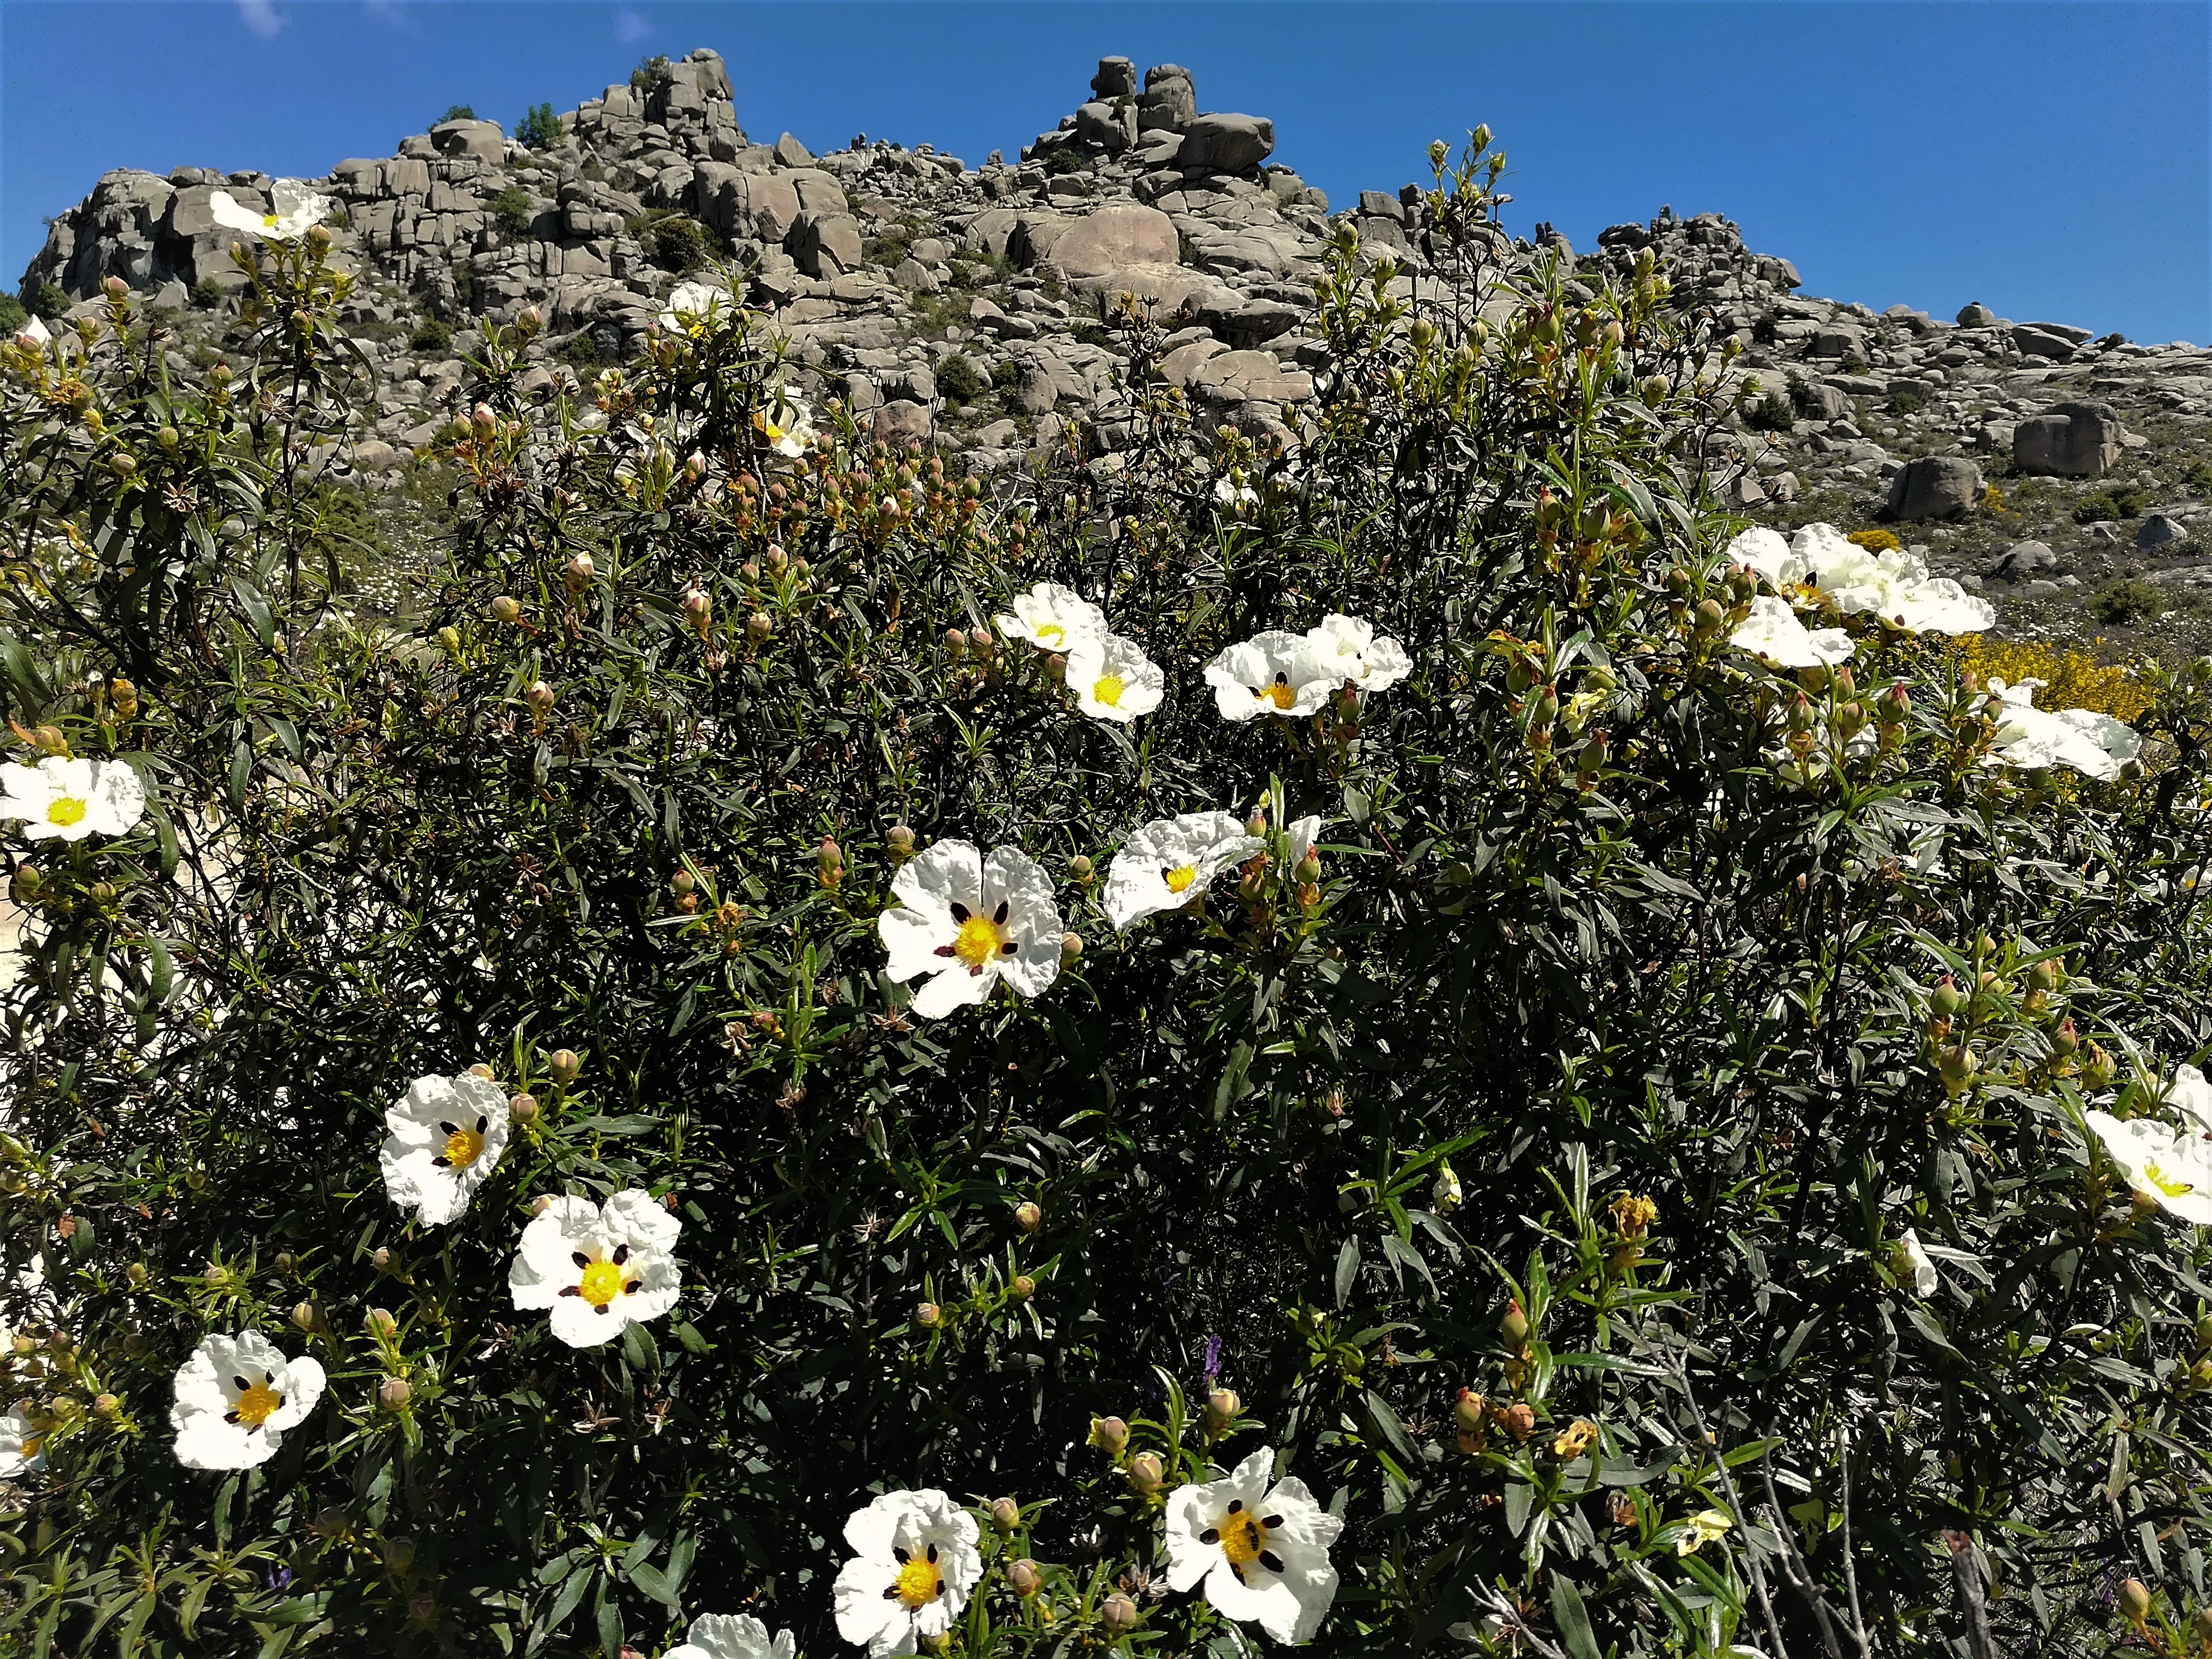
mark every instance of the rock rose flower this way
{"type": "Point", "coordinates": [1170, 861]}
{"type": "Point", "coordinates": [1262, 1551]}
{"type": "Point", "coordinates": [1910, 1260]}
{"type": "Point", "coordinates": [65, 799]}
{"type": "Point", "coordinates": [1349, 652]}
{"type": "Point", "coordinates": [296, 210]}
{"type": "Point", "coordinates": [2168, 1168]}
{"type": "Point", "coordinates": [786, 423]}
{"type": "Point", "coordinates": [1112, 679]}
{"type": "Point", "coordinates": [1895, 585]}
{"type": "Point", "coordinates": [446, 1135]}
{"type": "Point", "coordinates": [915, 1564]}
{"type": "Point", "coordinates": [2191, 1096]}
{"type": "Point", "coordinates": [2095, 745]}
{"type": "Point", "coordinates": [732, 1636]}
{"type": "Point", "coordinates": [598, 1267]}
{"type": "Point", "coordinates": [235, 1397]}
{"type": "Point", "coordinates": [22, 1443]}
{"type": "Point", "coordinates": [1773, 635]}
{"type": "Point", "coordinates": [1271, 673]}
{"type": "Point", "coordinates": [968, 921]}
{"type": "Point", "coordinates": [697, 307]}
{"type": "Point", "coordinates": [1051, 618]}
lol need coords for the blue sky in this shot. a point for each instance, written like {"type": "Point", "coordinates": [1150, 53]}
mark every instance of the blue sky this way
{"type": "Point", "coordinates": [2049, 160]}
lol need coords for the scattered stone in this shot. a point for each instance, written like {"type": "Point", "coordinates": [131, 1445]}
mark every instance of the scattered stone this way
{"type": "Point", "coordinates": [2075, 441]}
{"type": "Point", "coordinates": [1936, 487]}
{"type": "Point", "coordinates": [2158, 530]}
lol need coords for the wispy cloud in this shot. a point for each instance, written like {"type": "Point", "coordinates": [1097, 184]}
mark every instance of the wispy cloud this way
{"type": "Point", "coordinates": [392, 14]}
{"type": "Point", "coordinates": [262, 17]}
{"type": "Point", "coordinates": [631, 26]}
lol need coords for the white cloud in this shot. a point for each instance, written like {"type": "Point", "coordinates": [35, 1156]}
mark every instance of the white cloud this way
{"type": "Point", "coordinates": [392, 14]}
{"type": "Point", "coordinates": [262, 17]}
{"type": "Point", "coordinates": [631, 26]}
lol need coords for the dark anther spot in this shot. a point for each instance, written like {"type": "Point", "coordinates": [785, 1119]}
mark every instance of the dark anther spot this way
{"type": "Point", "coordinates": [442, 1161]}
{"type": "Point", "coordinates": [571, 1290]}
{"type": "Point", "coordinates": [620, 1254]}
{"type": "Point", "coordinates": [890, 1593]}
{"type": "Point", "coordinates": [1008, 949]}
{"type": "Point", "coordinates": [580, 1258]}
{"type": "Point", "coordinates": [481, 1123]}
{"type": "Point", "coordinates": [900, 1555]}
{"type": "Point", "coordinates": [945, 950]}
{"type": "Point", "coordinates": [1271, 1520]}
{"type": "Point", "coordinates": [240, 1384]}
{"type": "Point", "coordinates": [1237, 1506]}
{"type": "Point", "coordinates": [631, 1285]}
{"type": "Point", "coordinates": [1000, 914]}
{"type": "Point", "coordinates": [230, 1416]}
{"type": "Point", "coordinates": [1269, 1559]}
{"type": "Point", "coordinates": [449, 1128]}
{"type": "Point", "coordinates": [607, 1307]}
{"type": "Point", "coordinates": [1211, 1535]}
{"type": "Point", "coordinates": [960, 913]}
{"type": "Point", "coordinates": [932, 1555]}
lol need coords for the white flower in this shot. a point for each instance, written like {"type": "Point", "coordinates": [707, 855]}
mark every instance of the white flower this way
{"type": "Point", "coordinates": [699, 305]}
{"type": "Point", "coordinates": [1302, 834]}
{"type": "Point", "coordinates": [598, 1267]}
{"type": "Point", "coordinates": [2096, 745]}
{"type": "Point", "coordinates": [1170, 861]}
{"type": "Point", "coordinates": [1232, 494]}
{"type": "Point", "coordinates": [1909, 1259]}
{"type": "Point", "coordinates": [1895, 585]}
{"type": "Point", "coordinates": [2191, 1096]}
{"type": "Point", "coordinates": [786, 423]}
{"type": "Point", "coordinates": [1444, 1196]}
{"type": "Point", "coordinates": [71, 799]}
{"type": "Point", "coordinates": [1773, 635]}
{"type": "Point", "coordinates": [22, 1444]}
{"type": "Point", "coordinates": [1272, 673]}
{"type": "Point", "coordinates": [1348, 651]}
{"type": "Point", "coordinates": [33, 331]}
{"type": "Point", "coordinates": [1112, 679]}
{"type": "Point", "coordinates": [732, 1636]}
{"type": "Point", "coordinates": [969, 922]}
{"type": "Point", "coordinates": [235, 1396]}
{"type": "Point", "coordinates": [915, 1563]}
{"type": "Point", "coordinates": [1051, 618]}
{"type": "Point", "coordinates": [1263, 1552]}
{"type": "Point", "coordinates": [297, 210]}
{"type": "Point", "coordinates": [446, 1136]}
{"type": "Point", "coordinates": [2167, 1167]}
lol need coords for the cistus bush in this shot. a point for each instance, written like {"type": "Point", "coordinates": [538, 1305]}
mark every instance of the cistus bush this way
{"type": "Point", "coordinates": [1230, 1039]}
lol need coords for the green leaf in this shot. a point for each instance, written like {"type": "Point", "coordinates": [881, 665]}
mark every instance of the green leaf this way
{"type": "Point", "coordinates": [1347, 1269]}
{"type": "Point", "coordinates": [1572, 1618]}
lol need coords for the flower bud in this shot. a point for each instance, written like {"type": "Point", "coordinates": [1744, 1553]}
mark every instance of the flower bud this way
{"type": "Point", "coordinates": [2065, 1040]}
{"type": "Point", "coordinates": [529, 320]}
{"type": "Point", "coordinates": [1709, 618]}
{"type": "Point", "coordinates": [1028, 1217]}
{"type": "Point", "coordinates": [1118, 1613]}
{"type": "Point", "coordinates": [759, 626]}
{"type": "Point", "coordinates": [1469, 1412]}
{"type": "Point", "coordinates": [2135, 1600]}
{"type": "Point", "coordinates": [1956, 1065]}
{"type": "Point", "coordinates": [577, 573]}
{"type": "Point", "coordinates": [2098, 1069]}
{"type": "Point", "coordinates": [1071, 947]}
{"type": "Point", "coordinates": [1513, 1328]}
{"type": "Point", "coordinates": [383, 1261]}
{"type": "Point", "coordinates": [1082, 869]}
{"type": "Point", "coordinates": [899, 838]}
{"type": "Point", "coordinates": [1223, 1407]}
{"type": "Point", "coordinates": [485, 422]}
{"type": "Point", "coordinates": [562, 1065]}
{"type": "Point", "coordinates": [1145, 1472]}
{"type": "Point", "coordinates": [523, 1109]}
{"type": "Point", "coordinates": [106, 1404]}
{"type": "Point", "coordinates": [136, 1272]}
{"type": "Point", "coordinates": [393, 1394]}
{"type": "Point", "coordinates": [1005, 1514]}
{"type": "Point", "coordinates": [829, 854]}
{"type": "Point", "coordinates": [1520, 1420]}
{"type": "Point", "coordinates": [378, 1323]}
{"type": "Point", "coordinates": [1945, 998]}
{"type": "Point", "coordinates": [539, 696]}
{"type": "Point", "coordinates": [540, 1204]}
{"type": "Point", "coordinates": [929, 1316]}
{"type": "Point", "coordinates": [483, 1069]}
{"type": "Point", "coordinates": [399, 1554]}
{"type": "Point", "coordinates": [698, 608]}
{"type": "Point", "coordinates": [121, 464]}
{"type": "Point", "coordinates": [1308, 871]}
{"type": "Point", "coordinates": [507, 609]}
{"type": "Point", "coordinates": [116, 288]}
{"type": "Point", "coordinates": [1024, 1578]}
{"type": "Point", "coordinates": [1110, 1435]}
{"type": "Point", "coordinates": [422, 1608]}
{"type": "Point", "coordinates": [305, 1316]}
{"type": "Point", "coordinates": [1023, 1287]}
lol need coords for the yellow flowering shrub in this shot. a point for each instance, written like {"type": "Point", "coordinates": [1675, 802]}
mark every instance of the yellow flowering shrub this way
{"type": "Point", "coordinates": [2072, 678]}
{"type": "Point", "coordinates": [1875, 541]}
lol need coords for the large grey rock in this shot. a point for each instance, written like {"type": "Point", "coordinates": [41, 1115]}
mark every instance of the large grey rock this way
{"type": "Point", "coordinates": [1817, 401]}
{"type": "Point", "coordinates": [903, 422]}
{"type": "Point", "coordinates": [1975, 314]}
{"type": "Point", "coordinates": [1116, 78]}
{"type": "Point", "coordinates": [1839, 340]}
{"type": "Point", "coordinates": [2048, 339]}
{"type": "Point", "coordinates": [1168, 101]}
{"type": "Point", "coordinates": [1114, 237]}
{"type": "Point", "coordinates": [825, 245]}
{"type": "Point", "coordinates": [1936, 487]}
{"type": "Point", "coordinates": [2074, 440]}
{"type": "Point", "coordinates": [2024, 560]}
{"type": "Point", "coordinates": [1103, 127]}
{"type": "Point", "coordinates": [1250, 377]}
{"type": "Point", "coordinates": [2162, 532]}
{"type": "Point", "coordinates": [792, 153]}
{"type": "Point", "coordinates": [481, 139]}
{"type": "Point", "coordinates": [1226, 144]}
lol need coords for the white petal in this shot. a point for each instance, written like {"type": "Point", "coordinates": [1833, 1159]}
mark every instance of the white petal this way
{"type": "Point", "coordinates": [642, 1219]}
{"type": "Point", "coordinates": [955, 987]}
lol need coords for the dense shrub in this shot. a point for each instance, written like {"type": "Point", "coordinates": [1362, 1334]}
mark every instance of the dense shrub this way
{"type": "Point", "coordinates": [1771, 413]}
{"type": "Point", "coordinates": [50, 301]}
{"type": "Point", "coordinates": [13, 316]}
{"type": "Point", "coordinates": [581, 351]}
{"type": "Point", "coordinates": [456, 112]}
{"type": "Point", "coordinates": [959, 382]}
{"type": "Point", "coordinates": [649, 73]}
{"type": "Point", "coordinates": [2130, 599]}
{"type": "Point", "coordinates": [540, 128]}
{"type": "Point", "coordinates": [1619, 1130]}
{"type": "Point", "coordinates": [1875, 539]}
{"type": "Point", "coordinates": [2120, 501]}
{"type": "Point", "coordinates": [513, 209]}
{"type": "Point", "coordinates": [431, 334]}
{"type": "Point", "coordinates": [673, 241]}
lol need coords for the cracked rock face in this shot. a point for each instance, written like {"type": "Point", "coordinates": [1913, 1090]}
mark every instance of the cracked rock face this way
{"type": "Point", "coordinates": [881, 264]}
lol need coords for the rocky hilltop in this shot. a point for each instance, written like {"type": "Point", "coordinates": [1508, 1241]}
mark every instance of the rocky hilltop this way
{"type": "Point", "coordinates": [962, 304]}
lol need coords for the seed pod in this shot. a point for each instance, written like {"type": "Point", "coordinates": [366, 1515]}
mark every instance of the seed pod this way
{"type": "Point", "coordinates": [399, 1554]}
{"type": "Point", "coordinates": [1071, 947]}
{"type": "Point", "coordinates": [1469, 1412]}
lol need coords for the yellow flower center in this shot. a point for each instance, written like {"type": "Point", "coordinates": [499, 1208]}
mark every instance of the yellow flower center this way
{"type": "Point", "coordinates": [1280, 693]}
{"type": "Point", "coordinates": [2170, 1188]}
{"type": "Point", "coordinates": [1179, 881]}
{"type": "Point", "coordinates": [269, 221]}
{"type": "Point", "coordinates": [65, 810]}
{"type": "Point", "coordinates": [32, 1445]}
{"type": "Point", "coordinates": [978, 941]}
{"type": "Point", "coordinates": [918, 1582]}
{"type": "Point", "coordinates": [463, 1147]}
{"type": "Point", "coordinates": [1242, 1538]}
{"type": "Point", "coordinates": [1050, 634]}
{"type": "Point", "coordinates": [601, 1284]}
{"type": "Point", "coordinates": [1108, 690]}
{"type": "Point", "coordinates": [258, 1405]}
